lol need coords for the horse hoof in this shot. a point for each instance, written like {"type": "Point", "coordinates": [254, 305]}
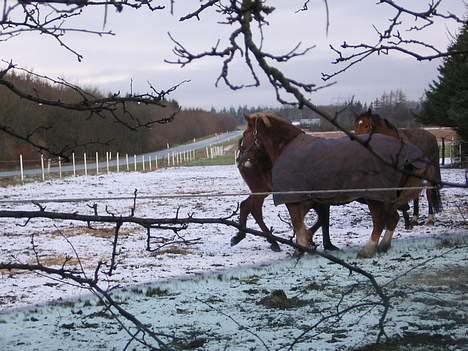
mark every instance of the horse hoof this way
{"type": "Point", "coordinates": [383, 248]}
{"type": "Point", "coordinates": [368, 251]}
{"type": "Point", "coordinates": [236, 239]}
{"type": "Point", "coordinates": [298, 253]}
{"type": "Point", "coordinates": [275, 247]}
{"type": "Point", "coordinates": [331, 247]}
{"type": "Point", "coordinates": [364, 255]}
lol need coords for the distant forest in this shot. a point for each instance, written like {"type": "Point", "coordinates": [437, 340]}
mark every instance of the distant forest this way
{"type": "Point", "coordinates": [393, 105]}
{"type": "Point", "coordinates": [65, 131]}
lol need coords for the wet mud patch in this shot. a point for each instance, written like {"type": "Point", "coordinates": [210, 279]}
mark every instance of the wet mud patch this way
{"type": "Point", "coordinates": [279, 299]}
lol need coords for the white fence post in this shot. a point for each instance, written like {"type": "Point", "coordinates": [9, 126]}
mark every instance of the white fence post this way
{"type": "Point", "coordinates": [42, 167]}
{"type": "Point", "coordinates": [48, 167]}
{"type": "Point", "coordinates": [135, 162]}
{"type": "Point", "coordinates": [128, 165]}
{"type": "Point", "coordinates": [156, 160]}
{"type": "Point", "coordinates": [118, 162]}
{"type": "Point", "coordinates": [60, 167]}
{"type": "Point", "coordinates": [143, 162]}
{"type": "Point", "coordinates": [21, 167]}
{"type": "Point", "coordinates": [97, 163]}
{"type": "Point", "coordinates": [85, 165]}
{"type": "Point", "coordinates": [74, 164]}
{"type": "Point", "coordinates": [107, 162]}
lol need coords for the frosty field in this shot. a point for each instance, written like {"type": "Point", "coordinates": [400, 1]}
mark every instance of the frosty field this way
{"type": "Point", "coordinates": [211, 296]}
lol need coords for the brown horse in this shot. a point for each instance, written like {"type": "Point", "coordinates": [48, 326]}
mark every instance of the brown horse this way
{"type": "Point", "coordinates": [310, 171]}
{"type": "Point", "coordinates": [368, 123]}
{"type": "Point", "coordinates": [255, 168]}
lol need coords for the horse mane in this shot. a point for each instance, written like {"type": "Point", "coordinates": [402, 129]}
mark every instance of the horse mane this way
{"type": "Point", "coordinates": [383, 121]}
{"type": "Point", "coordinates": [288, 130]}
{"type": "Point", "coordinates": [278, 130]}
{"type": "Point", "coordinates": [275, 117]}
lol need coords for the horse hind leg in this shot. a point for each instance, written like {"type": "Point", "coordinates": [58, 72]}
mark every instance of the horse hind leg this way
{"type": "Point", "coordinates": [415, 218]}
{"type": "Point", "coordinates": [303, 236]}
{"type": "Point", "coordinates": [429, 197]}
{"type": "Point", "coordinates": [390, 225]}
{"type": "Point", "coordinates": [377, 210]}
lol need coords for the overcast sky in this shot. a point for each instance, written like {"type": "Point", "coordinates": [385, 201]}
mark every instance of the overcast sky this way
{"type": "Point", "coordinates": [141, 44]}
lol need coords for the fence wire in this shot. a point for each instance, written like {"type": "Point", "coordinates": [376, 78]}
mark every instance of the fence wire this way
{"type": "Point", "coordinates": [202, 195]}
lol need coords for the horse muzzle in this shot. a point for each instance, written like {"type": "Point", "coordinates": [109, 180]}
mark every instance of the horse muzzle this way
{"type": "Point", "coordinates": [245, 164]}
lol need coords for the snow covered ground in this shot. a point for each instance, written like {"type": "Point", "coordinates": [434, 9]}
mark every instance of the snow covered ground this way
{"type": "Point", "coordinates": [227, 303]}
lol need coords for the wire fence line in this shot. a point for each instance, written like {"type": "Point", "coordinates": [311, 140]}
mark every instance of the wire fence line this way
{"type": "Point", "coordinates": [106, 163]}
{"type": "Point", "coordinates": [204, 195]}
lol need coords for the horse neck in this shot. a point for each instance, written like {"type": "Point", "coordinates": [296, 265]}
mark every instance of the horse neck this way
{"type": "Point", "coordinates": [383, 127]}
{"type": "Point", "coordinates": [278, 140]}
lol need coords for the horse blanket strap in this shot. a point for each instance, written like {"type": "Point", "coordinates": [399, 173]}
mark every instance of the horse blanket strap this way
{"type": "Point", "coordinates": [309, 163]}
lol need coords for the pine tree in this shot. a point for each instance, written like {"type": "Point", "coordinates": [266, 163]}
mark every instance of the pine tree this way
{"type": "Point", "coordinates": [446, 100]}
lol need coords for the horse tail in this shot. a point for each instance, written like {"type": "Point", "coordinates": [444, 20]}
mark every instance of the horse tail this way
{"type": "Point", "coordinates": [435, 182]}
{"type": "Point", "coordinates": [436, 199]}
{"type": "Point", "coordinates": [435, 196]}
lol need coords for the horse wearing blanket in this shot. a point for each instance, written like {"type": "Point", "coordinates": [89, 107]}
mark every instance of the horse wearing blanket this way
{"type": "Point", "coordinates": [309, 171]}
{"type": "Point", "coordinates": [370, 123]}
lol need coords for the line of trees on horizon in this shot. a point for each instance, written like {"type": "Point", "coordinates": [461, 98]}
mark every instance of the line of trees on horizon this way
{"type": "Point", "coordinates": [393, 105]}
{"type": "Point", "coordinates": [68, 131]}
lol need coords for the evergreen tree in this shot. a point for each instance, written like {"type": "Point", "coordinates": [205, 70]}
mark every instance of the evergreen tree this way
{"type": "Point", "coordinates": [446, 101]}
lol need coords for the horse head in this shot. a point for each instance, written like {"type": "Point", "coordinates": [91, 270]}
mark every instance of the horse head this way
{"type": "Point", "coordinates": [364, 122]}
{"type": "Point", "coordinates": [269, 132]}
{"type": "Point", "coordinates": [251, 149]}
{"type": "Point", "coordinates": [368, 122]}
{"type": "Point", "coordinates": [251, 154]}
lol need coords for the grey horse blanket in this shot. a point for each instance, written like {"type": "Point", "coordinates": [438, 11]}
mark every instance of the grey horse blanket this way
{"type": "Point", "coordinates": [310, 164]}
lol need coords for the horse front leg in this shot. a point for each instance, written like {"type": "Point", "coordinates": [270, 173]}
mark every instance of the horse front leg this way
{"type": "Point", "coordinates": [303, 236]}
{"type": "Point", "coordinates": [377, 210]}
{"type": "Point", "coordinates": [323, 212]}
{"type": "Point", "coordinates": [404, 209]}
{"type": "Point", "coordinates": [244, 211]}
{"type": "Point", "coordinates": [257, 212]}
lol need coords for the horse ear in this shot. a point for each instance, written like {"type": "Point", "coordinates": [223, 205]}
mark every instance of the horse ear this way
{"type": "Point", "coordinates": [265, 119]}
{"type": "Point", "coordinates": [250, 119]}
{"type": "Point", "coordinates": [369, 111]}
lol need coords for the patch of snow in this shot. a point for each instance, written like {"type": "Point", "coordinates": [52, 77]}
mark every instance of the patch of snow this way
{"type": "Point", "coordinates": [209, 289]}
